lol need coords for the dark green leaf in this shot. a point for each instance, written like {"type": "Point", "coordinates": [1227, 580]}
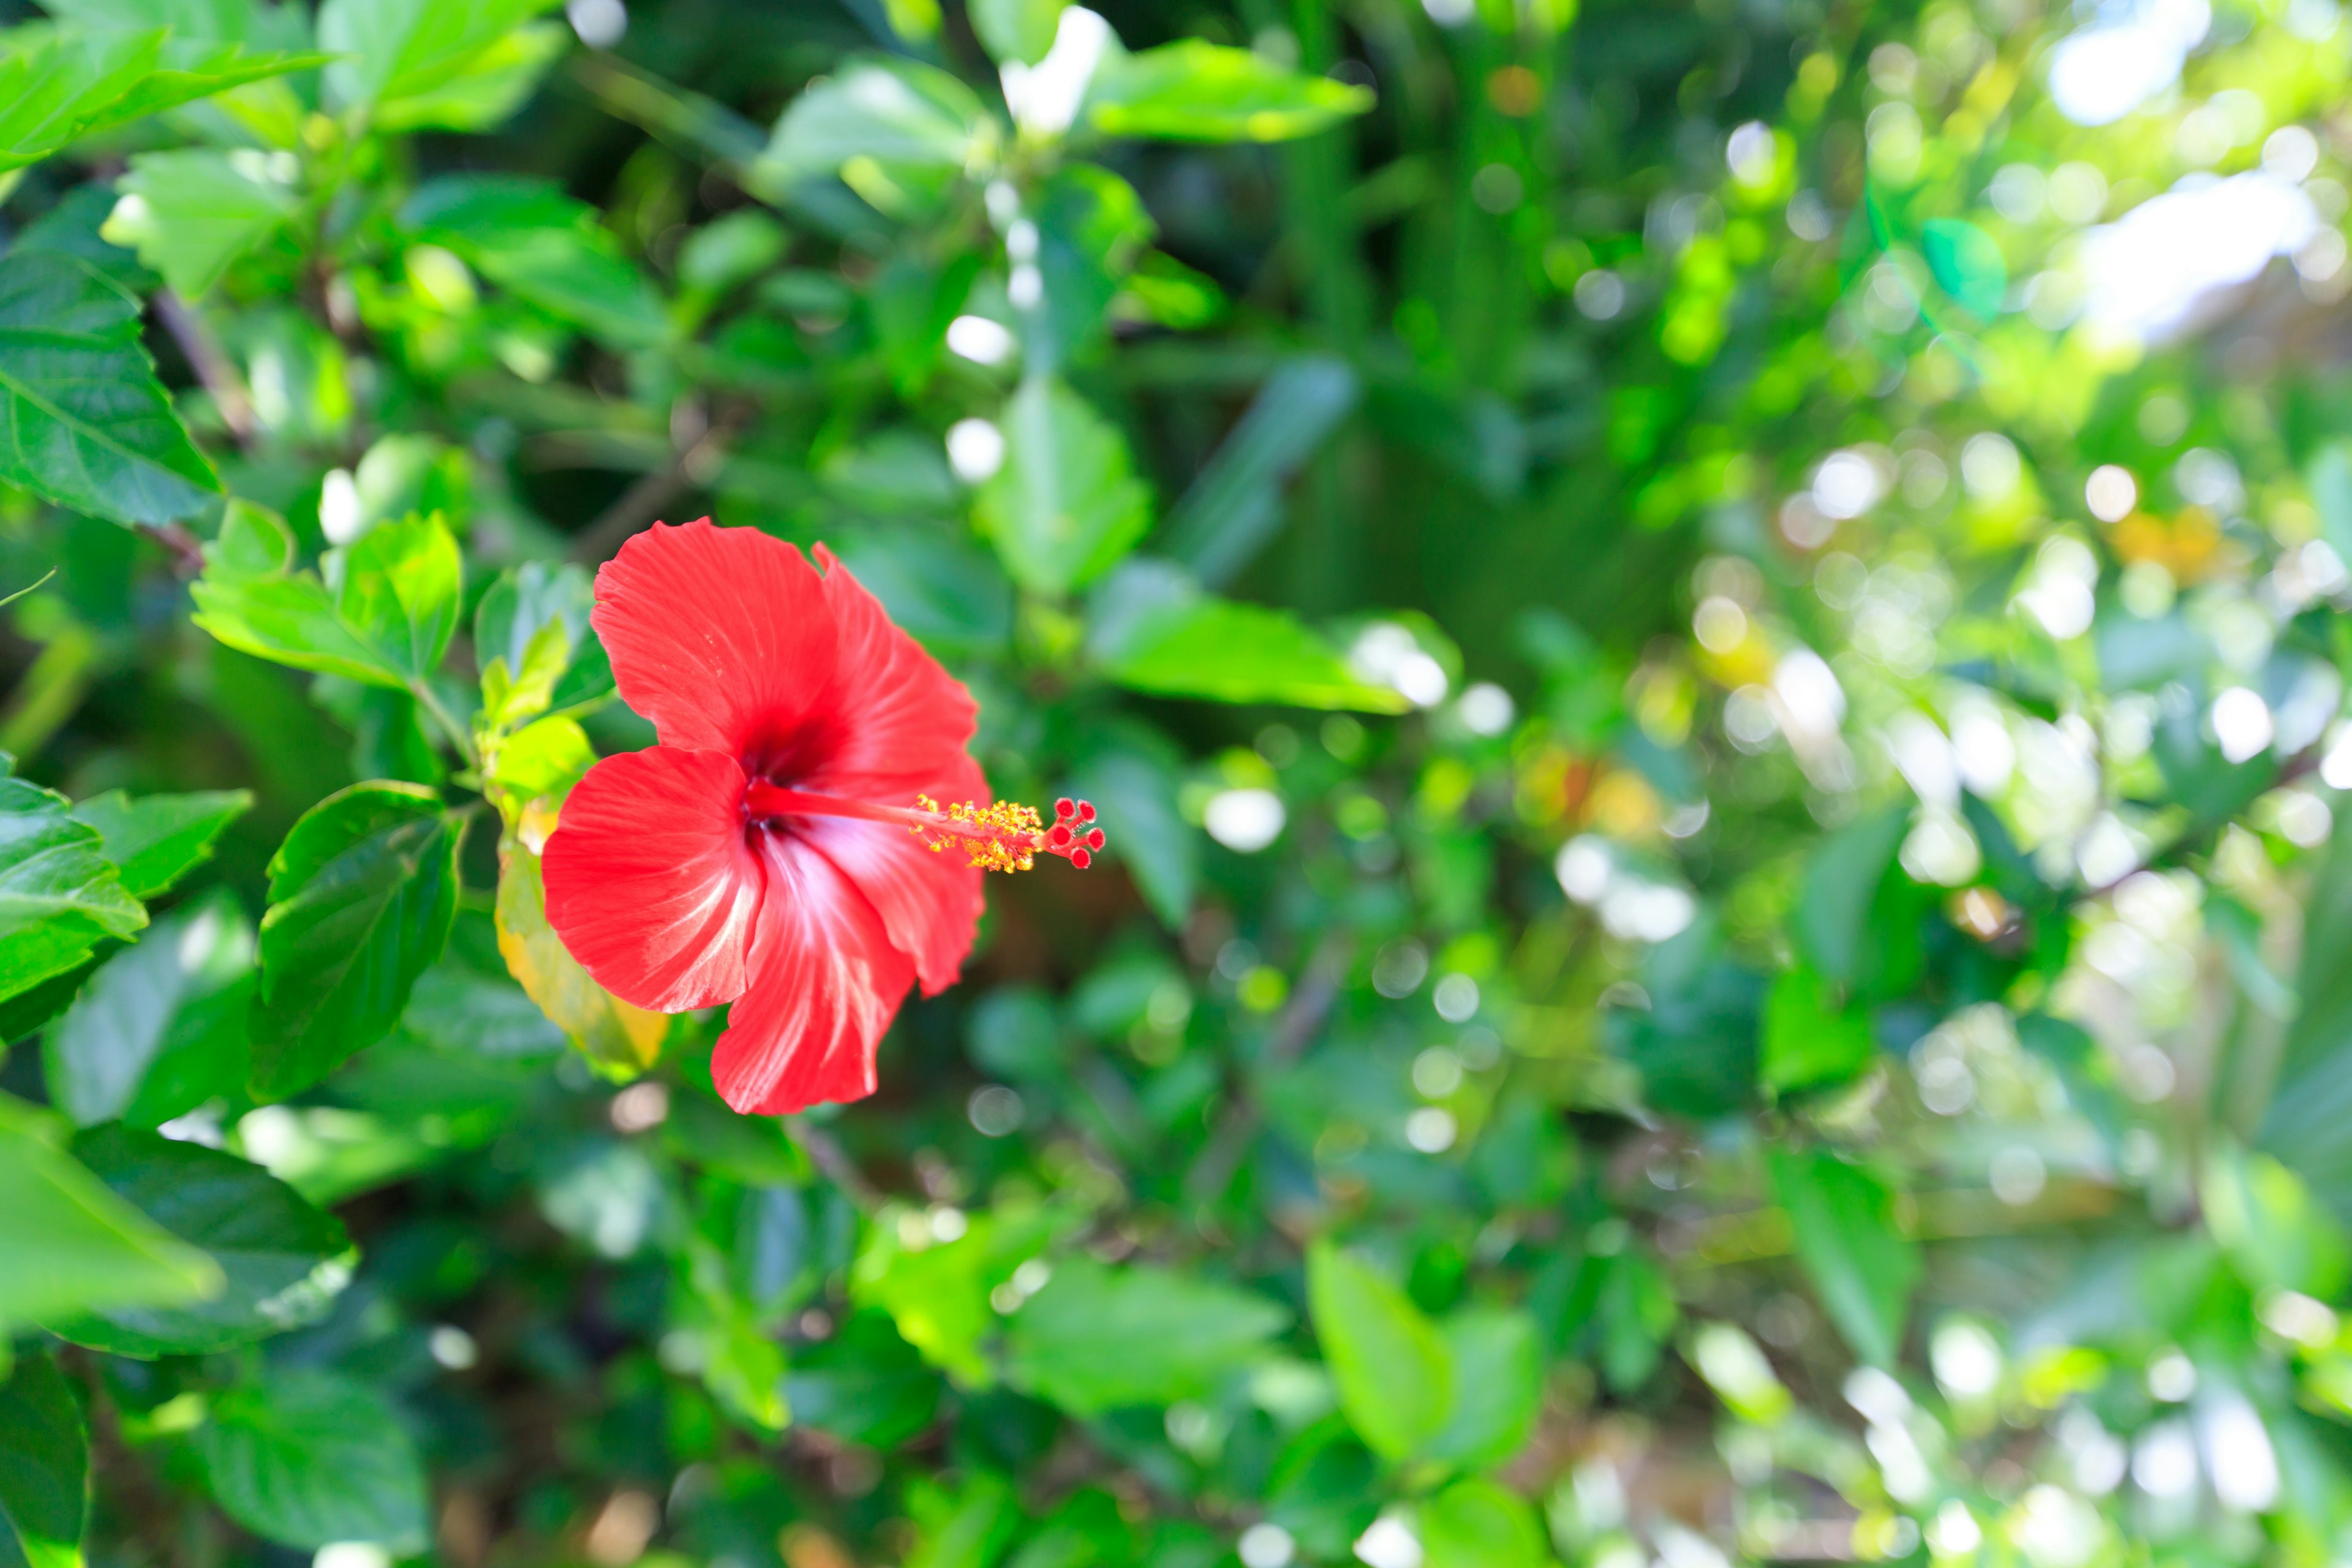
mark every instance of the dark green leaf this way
{"type": "Point", "coordinates": [1235, 505]}
{"type": "Point", "coordinates": [83, 421]}
{"type": "Point", "coordinates": [309, 1457]}
{"type": "Point", "coordinates": [1095, 1338]}
{"type": "Point", "coordinates": [43, 1468]}
{"type": "Point", "coordinates": [1132, 781]}
{"type": "Point", "coordinates": [157, 839]}
{"type": "Point", "coordinates": [282, 1260]}
{"type": "Point", "coordinates": [1395, 1379]}
{"type": "Point", "coordinates": [865, 1384]}
{"type": "Point", "coordinates": [361, 898]}
{"type": "Point", "coordinates": [1863, 1268]}
{"type": "Point", "coordinates": [59, 896]}
{"type": "Point", "coordinates": [530, 239]}
{"type": "Point", "coordinates": [160, 1029]}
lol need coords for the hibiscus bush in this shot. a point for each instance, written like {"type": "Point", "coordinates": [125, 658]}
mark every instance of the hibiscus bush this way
{"type": "Point", "coordinates": [1444, 784]}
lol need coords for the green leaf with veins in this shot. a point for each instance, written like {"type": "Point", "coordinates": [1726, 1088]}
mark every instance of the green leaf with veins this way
{"type": "Point", "coordinates": [44, 1467]}
{"type": "Point", "coordinates": [157, 839]}
{"type": "Point", "coordinates": [83, 421]}
{"type": "Point", "coordinates": [309, 1457]}
{"type": "Point", "coordinates": [60, 895]}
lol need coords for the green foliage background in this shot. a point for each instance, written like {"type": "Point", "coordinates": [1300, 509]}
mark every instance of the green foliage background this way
{"type": "Point", "coordinates": [1721, 943]}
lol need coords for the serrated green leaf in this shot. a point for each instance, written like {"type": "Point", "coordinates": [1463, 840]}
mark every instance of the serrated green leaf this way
{"type": "Point", "coordinates": [282, 1260]}
{"type": "Point", "coordinates": [362, 895]}
{"type": "Point", "coordinates": [395, 50]}
{"type": "Point", "coordinates": [83, 421]}
{"type": "Point", "coordinates": [60, 85]}
{"type": "Point", "coordinates": [402, 587]}
{"type": "Point", "coordinates": [157, 839]}
{"type": "Point", "coordinates": [60, 895]}
{"type": "Point", "coordinates": [309, 1457]}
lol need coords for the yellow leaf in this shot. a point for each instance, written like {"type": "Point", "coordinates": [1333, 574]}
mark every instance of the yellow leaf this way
{"type": "Point", "coordinates": [619, 1040]}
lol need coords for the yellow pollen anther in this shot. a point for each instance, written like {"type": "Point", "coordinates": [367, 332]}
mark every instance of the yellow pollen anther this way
{"type": "Point", "coordinates": [1001, 836]}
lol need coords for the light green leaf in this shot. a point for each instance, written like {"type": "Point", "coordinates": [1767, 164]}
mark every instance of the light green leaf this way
{"type": "Point", "coordinates": [1863, 1268]}
{"type": "Point", "coordinates": [1066, 505]}
{"type": "Point", "coordinates": [160, 1027]}
{"type": "Point", "coordinates": [83, 421]}
{"type": "Point", "coordinates": [542, 246]}
{"type": "Point", "coordinates": [59, 896]}
{"type": "Point", "coordinates": [309, 1457]}
{"type": "Point", "coordinates": [1016, 30]}
{"type": "Point", "coordinates": [1227, 651]}
{"type": "Point", "coordinates": [491, 86]}
{"type": "Point", "coordinates": [43, 1468]}
{"type": "Point", "coordinates": [1967, 265]}
{"type": "Point", "coordinates": [1395, 1380]}
{"type": "Point", "coordinates": [71, 1244]}
{"type": "Point", "coordinates": [402, 584]}
{"type": "Point", "coordinates": [191, 214]}
{"type": "Point", "coordinates": [2274, 1235]}
{"type": "Point", "coordinates": [157, 839]}
{"type": "Point", "coordinates": [282, 1260]}
{"type": "Point", "coordinates": [396, 49]}
{"type": "Point", "coordinates": [1480, 1523]}
{"type": "Point", "coordinates": [898, 113]}
{"type": "Point", "coordinates": [1192, 91]}
{"type": "Point", "coordinates": [60, 85]}
{"type": "Point", "coordinates": [1808, 1038]}
{"type": "Point", "coordinates": [544, 759]}
{"type": "Point", "coordinates": [938, 1295]}
{"type": "Point", "coordinates": [1094, 1338]}
{"type": "Point", "coordinates": [251, 598]}
{"type": "Point", "coordinates": [1499, 1385]}
{"type": "Point", "coordinates": [362, 895]}
{"type": "Point", "coordinates": [516, 611]}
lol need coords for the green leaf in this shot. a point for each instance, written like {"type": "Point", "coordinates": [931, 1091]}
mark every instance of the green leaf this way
{"type": "Point", "coordinates": [401, 583]}
{"type": "Point", "coordinates": [191, 214]}
{"type": "Point", "coordinates": [71, 1244]}
{"type": "Point", "coordinates": [1808, 1038]}
{"type": "Point", "coordinates": [1967, 263]}
{"type": "Point", "coordinates": [487, 88]}
{"type": "Point", "coordinates": [251, 598]}
{"type": "Point", "coordinates": [157, 839]}
{"type": "Point", "coordinates": [160, 1027]}
{"type": "Point", "coordinates": [1863, 1268]}
{"type": "Point", "coordinates": [1017, 30]}
{"type": "Point", "coordinates": [1192, 91]}
{"type": "Point", "coordinates": [2308, 1123]}
{"type": "Point", "coordinates": [517, 610]}
{"type": "Point", "coordinates": [1066, 505]}
{"type": "Point", "coordinates": [529, 238]}
{"type": "Point", "coordinates": [939, 1294]}
{"type": "Point", "coordinates": [1395, 1380]}
{"type": "Point", "coordinates": [1498, 1384]}
{"type": "Point", "coordinates": [59, 86]}
{"type": "Point", "coordinates": [283, 1260]}
{"type": "Point", "coordinates": [397, 49]}
{"type": "Point", "coordinates": [1227, 651]}
{"type": "Point", "coordinates": [1132, 780]}
{"type": "Point", "coordinates": [1479, 1523]}
{"type": "Point", "coordinates": [1235, 505]}
{"type": "Point", "coordinates": [2274, 1235]}
{"type": "Point", "coordinates": [309, 1457]}
{"type": "Point", "coordinates": [83, 421]}
{"type": "Point", "coordinates": [1843, 924]}
{"type": "Point", "coordinates": [864, 1384]}
{"type": "Point", "coordinates": [59, 896]}
{"type": "Point", "coordinates": [898, 113]}
{"type": "Point", "coordinates": [1094, 1338]}
{"type": "Point", "coordinates": [542, 760]}
{"type": "Point", "coordinates": [362, 895]}
{"type": "Point", "coordinates": [43, 1468]}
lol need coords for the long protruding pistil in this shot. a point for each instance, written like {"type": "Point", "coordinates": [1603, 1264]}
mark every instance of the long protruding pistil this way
{"type": "Point", "coordinates": [1001, 836]}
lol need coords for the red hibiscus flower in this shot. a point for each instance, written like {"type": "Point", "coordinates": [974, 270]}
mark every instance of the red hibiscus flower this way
{"type": "Point", "coordinates": [782, 848]}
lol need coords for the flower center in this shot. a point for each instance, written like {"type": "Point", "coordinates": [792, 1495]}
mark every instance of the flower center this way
{"type": "Point", "coordinates": [999, 836]}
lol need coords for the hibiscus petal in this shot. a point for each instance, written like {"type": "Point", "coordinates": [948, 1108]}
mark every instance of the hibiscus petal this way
{"type": "Point", "coordinates": [909, 718]}
{"type": "Point", "coordinates": [650, 881]}
{"type": "Point", "coordinates": [824, 982]}
{"type": "Point", "coordinates": [930, 902]}
{"type": "Point", "coordinates": [722, 637]}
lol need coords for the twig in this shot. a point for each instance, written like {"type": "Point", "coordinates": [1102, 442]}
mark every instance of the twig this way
{"type": "Point", "coordinates": [645, 501]}
{"type": "Point", "coordinates": [187, 549]}
{"type": "Point", "coordinates": [211, 362]}
{"type": "Point", "coordinates": [826, 1154]}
